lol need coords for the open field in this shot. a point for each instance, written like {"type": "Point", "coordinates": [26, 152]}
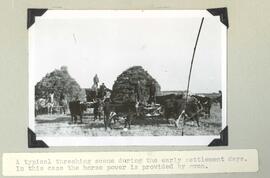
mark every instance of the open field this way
{"type": "Point", "coordinates": [60, 125]}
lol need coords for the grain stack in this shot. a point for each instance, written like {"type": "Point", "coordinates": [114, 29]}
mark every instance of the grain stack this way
{"type": "Point", "coordinates": [59, 82]}
{"type": "Point", "coordinates": [124, 88]}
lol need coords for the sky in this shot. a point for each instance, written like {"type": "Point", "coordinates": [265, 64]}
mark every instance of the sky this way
{"type": "Point", "coordinates": [107, 46]}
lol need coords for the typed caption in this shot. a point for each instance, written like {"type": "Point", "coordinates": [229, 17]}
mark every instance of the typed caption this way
{"type": "Point", "coordinates": [125, 163]}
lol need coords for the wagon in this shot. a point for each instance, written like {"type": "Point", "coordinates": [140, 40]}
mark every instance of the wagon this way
{"type": "Point", "coordinates": [150, 111]}
{"type": "Point", "coordinates": [124, 113]}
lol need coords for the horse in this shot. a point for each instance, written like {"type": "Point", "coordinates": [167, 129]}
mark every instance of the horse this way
{"type": "Point", "coordinates": [43, 106]}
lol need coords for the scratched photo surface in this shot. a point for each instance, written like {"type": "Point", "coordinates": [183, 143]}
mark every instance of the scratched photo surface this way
{"type": "Point", "coordinates": [127, 75]}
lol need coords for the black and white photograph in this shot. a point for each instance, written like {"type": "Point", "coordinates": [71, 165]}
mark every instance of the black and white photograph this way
{"type": "Point", "coordinates": [127, 77]}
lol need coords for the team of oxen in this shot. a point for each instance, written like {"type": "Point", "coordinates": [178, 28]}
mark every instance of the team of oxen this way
{"type": "Point", "coordinates": [171, 107]}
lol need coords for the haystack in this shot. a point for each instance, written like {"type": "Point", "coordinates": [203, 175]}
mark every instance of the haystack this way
{"type": "Point", "coordinates": [124, 88]}
{"type": "Point", "coordinates": [59, 82]}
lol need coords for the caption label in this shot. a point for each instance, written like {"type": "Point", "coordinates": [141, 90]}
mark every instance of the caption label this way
{"type": "Point", "coordinates": [129, 163]}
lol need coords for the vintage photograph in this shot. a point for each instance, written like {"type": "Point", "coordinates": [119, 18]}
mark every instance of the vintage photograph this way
{"type": "Point", "coordinates": [127, 77]}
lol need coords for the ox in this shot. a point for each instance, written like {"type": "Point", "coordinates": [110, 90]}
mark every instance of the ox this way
{"type": "Point", "coordinates": [113, 111]}
{"type": "Point", "coordinates": [191, 110]}
{"type": "Point", "coordinates": [206, 103]}
{"type": "Point", "coordinates": [171, 105]}
{"type": "Point", "coordinates": [76, 108]}
{"type": "Point", "coordinates": [218, 100]}
{"type": "Point", "coordinates": [175, 106]}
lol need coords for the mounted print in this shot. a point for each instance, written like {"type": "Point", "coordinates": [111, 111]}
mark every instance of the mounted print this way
{"type": "Point", "coordinates": [127, 77]}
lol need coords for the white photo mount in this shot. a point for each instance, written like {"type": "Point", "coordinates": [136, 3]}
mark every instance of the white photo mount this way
{"type": "Point", "coordinates": [34, 15]}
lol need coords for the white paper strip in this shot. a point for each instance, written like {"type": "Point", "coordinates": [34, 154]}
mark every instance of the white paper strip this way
{"type": "Point", "coordinates": [129, 163]}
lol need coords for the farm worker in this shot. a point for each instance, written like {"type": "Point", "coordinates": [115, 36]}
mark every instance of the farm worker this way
{"type": "Point", "coordinates": [138, 91]}
{"type": "Point", "coordinates": [50, 102]}
{"type": "Point", "coordinates": [152, 97]}
{"type": "Point", "coordinates": [96, 106]}
{"type": "Point", "coordinates": [95, 90]}
{"type": "Point", "coordinates": [96, 80]}
{"type": "Point", "coordinates": [102, 91]}
{"type": "Point", "coordinates": [51, 97]}
{"type": "Point", "coordinates": [219, 99]}
{"type": "Point", "coordinates": [95, 85]}
{"type": "Point", "coordinates": [107, 112]}
{"type": "Point", "coordinates": [63, 103]}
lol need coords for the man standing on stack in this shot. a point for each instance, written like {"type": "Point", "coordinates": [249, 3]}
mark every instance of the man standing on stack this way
{"type": "Point", "coordinates": [96, 80]}
{"type": "Point", "coordinates": [95, 87]}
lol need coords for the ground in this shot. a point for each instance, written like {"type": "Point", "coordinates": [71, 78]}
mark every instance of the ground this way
{"type": "Point", "coordinates": [60, 125]}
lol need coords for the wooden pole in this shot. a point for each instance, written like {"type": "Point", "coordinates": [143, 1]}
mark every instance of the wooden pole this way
{"type": "Point", "coordinates": [190, 70]}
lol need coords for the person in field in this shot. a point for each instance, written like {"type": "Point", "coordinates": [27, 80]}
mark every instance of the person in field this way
{"type": "Point", "coordinates": [219, 99]}
{"type": "Point", "coordinates": [152, 92]}
{"type": "Point", "coordinates": [63, 104]}
{"type": "Point", "coordinates": [50, 103]}
{"type": "Point", "coordinates": [138, 91]}
{"type": "Point", "coordinates": [102, 90]}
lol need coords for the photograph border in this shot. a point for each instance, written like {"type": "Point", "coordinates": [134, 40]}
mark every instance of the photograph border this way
{"type": "Point", "coordinates": [222, 140]}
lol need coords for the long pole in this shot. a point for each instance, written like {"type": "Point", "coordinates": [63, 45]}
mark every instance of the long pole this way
{"type": "Point", "coordinates": [190, 70]}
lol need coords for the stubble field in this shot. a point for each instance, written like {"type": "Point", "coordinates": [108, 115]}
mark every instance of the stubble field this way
{"type": "Point", "coordinates": [60, 125]}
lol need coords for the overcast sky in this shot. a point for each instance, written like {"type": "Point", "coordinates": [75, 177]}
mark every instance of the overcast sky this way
{"type": "Point", "coordinates": [108, 46]}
